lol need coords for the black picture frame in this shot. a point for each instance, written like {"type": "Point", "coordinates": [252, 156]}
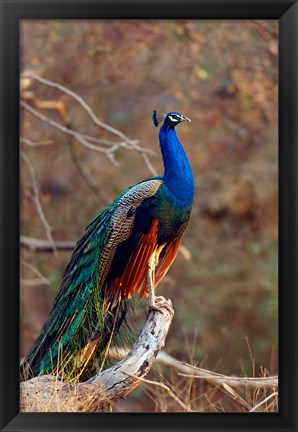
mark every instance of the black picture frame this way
{"type": "Point", "coordinates": [287, 13]}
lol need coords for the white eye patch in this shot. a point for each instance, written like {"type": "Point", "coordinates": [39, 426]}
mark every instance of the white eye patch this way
{"type": "Point", "coordinates": [174, 119]}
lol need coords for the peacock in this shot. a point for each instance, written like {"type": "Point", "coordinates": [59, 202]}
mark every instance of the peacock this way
{"type": "Point", "coordinates": [127, 249]}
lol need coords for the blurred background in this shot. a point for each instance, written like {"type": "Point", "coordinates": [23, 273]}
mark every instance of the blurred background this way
{"type": "Point", "coordinates": [224, 76]}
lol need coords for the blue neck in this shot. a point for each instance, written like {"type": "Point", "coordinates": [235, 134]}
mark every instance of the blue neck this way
{"type": "Point", "coordinates": [178, 175]}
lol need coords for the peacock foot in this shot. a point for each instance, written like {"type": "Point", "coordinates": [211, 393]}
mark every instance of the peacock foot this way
{"type": "Point", "coordinates": [161, 303]}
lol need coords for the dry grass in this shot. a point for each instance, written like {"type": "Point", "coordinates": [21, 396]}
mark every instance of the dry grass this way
{"type": "Point", "coordinates": [173, 387]}
{"type": "Point", "coordinates": [206, 391]}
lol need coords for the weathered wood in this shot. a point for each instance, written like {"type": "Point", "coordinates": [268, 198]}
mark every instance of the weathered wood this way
{"type": "Point", "coordinates": [45, 245]}
{"type": "Point", "coordinates": [50, 394]}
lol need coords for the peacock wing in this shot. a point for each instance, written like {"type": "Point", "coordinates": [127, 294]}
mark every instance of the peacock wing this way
{"type": "Point", "coordinates": [79, 309]}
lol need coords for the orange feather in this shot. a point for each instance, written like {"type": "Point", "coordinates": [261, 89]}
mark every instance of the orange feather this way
{"type": "Point", "coordinates": [170, 252]}
{"type": "Point", "coordinates": [134, 277]}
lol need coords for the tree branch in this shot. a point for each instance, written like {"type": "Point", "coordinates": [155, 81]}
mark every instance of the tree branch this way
{"type": "Point", "coordinates": [34, 144]}
{"type": "Point", "coordinates": [44, 245]}
{"type": "Point", "coordinates": [39, 280]}
{"type": "Point", "coordinates": [37, 200]}
{"type": "Point", "coordinates": [84, 105]}
{"type": "Point", "coordinates": [86, 140]}
{"type": "Point", "coordinates": [50, 394]}
{"type": "Point", "coordinates": [217, 378]}
{"type": "Point", "coordinates": [79, 137]}
{"type": "Point", "coordinates": [256, 407]}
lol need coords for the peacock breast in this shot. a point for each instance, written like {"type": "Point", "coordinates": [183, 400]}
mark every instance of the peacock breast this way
{"type": "Point", "coordinates": [172, 213]}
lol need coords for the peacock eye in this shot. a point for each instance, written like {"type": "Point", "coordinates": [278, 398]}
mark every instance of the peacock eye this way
{"type": "Point", "coordinates": [174, 118]}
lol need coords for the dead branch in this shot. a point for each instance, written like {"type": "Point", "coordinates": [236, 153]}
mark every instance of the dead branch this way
{"type": "Point", "coordinates": [50, 394]}
{"type": "Point", "coordinates": [40, 280]}
{"type": "Point", "coordinates": [41, 245]}
{"type": "Point", "coordinates": [35, 244]}
{"type": "Point", "coordinates": [185, 407]}
{"type": "Point", "coordinates": [86, 140]}
{"type": "Point", "coordinates": [83, 104]}
{"type": "Point", "coordinates": [256, 407]}
{"type": "Point", "coordinates": [37, 200]}
{"type": "Point", "coordinates": [34, 144]}
{"type": "Point", "coordinates": [131, 144]}
{"type": "Point", "coordinates": [84, 173]}
{"type": "Point", "coordinates": [79, 137]}
{"type": "Point", "coordinates": [214, 377]}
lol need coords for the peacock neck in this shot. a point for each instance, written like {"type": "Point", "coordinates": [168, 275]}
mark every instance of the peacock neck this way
{"type": "Point", "coordinates": [178, 174]}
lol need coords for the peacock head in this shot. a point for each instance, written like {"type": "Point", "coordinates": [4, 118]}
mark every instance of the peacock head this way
{"type": "Point", "coordinates": [171, 119]}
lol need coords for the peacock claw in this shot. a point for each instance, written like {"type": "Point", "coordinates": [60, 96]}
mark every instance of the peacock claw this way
{"type": "Point", "coordinates": [161, 303]}
{"type": "Point", "coordinates": [155, 308]}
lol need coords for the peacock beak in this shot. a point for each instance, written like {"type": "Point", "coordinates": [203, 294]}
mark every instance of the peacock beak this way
{"type": "Point", "coordinates": [186, 119]}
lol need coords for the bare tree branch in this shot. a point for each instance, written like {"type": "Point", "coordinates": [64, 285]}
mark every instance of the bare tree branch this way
{"type": "Point", "coordinates": [274, 394]}
{"type": "Point", "coordinates": [218, 378]}
{"type": "Point", "coordinates": [85, 174]}
{"type": "Point", "coordinates": [83, 104]}
{"type": "Point", "coordinates": [83, 138]}
{"type": "Point", "coordinates": [109, 152]}
{"type": "Point", "coordinates": [33, 144]}
{"type": "Point", "coordinates": [142, 150]}
{"type": "Point", "coordinates": [51, 394]}
{"type": "Point", "coordinates": [39, 280]}
{"type": "Point", "coordinates": [234, 381]}
{"type": "Point", "coordinates": [34, 282]}
{"type": "Point", "coordinates": [44, 245]}
{"type": "Point", "coordinates": [133, 144]}
{"type": "Point", "coordinates": [149, 164]}
{"type": "Point", "coordinates": [37, 200]}
{"type": "Point", "coordinates": [191, 371]}
{"type": "Point", "coordinates": [68, 131]}
{"type": "Point", "coordinates": [166, 388]}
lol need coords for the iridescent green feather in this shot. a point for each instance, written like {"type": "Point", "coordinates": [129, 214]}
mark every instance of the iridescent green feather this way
{"type": "Point", "coordinates": [77, 316]}
{"type": "Point", "coordinates": [71, 323]}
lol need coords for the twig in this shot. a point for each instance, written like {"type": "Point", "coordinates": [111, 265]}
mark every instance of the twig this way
{"type": "Point", "coordinates": [109, 152]}
{"type": "Point", "coordinates": [112, 159]}
{"type": "Point", "coordinates": [165, 387]}
{"type": "Point", "coordinates": [252, 360]}
{"type": "Point", "coordinates": [122, 144]}
{"type": "Point", "coordinates": [127, 142]}
{"type": "Point", "coordinates": [235, 381]}
{"type": "Point", "coordinates": [68, 131]}
{"type": "Point", "coordinates": [208, 376]}
{"type": "Point", "coordinates": [196, 372]}
{"type": "Point", "coordinates": [37, 200]}
{"type": "Point", "coordinates": [34, 282]}
{"type": "Point", "coordinates": [264, 401]}
{"type": "Point", "coordinates": [83, 104]}
{"type": "Point", "coordinates": [149, 164]}
{"type": "Point", "coordinates": [214, 377]}
{"type": "Point", "coordinates": [33, 144]}
{"type": "Point", "coordinates": [84, 173]}
{"type": "Point", "coordinates": [90, 112]}
{"type": "Point", "coordinates": [44, 245]}
{"type": "Point", "coordinates": [40, 279]}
